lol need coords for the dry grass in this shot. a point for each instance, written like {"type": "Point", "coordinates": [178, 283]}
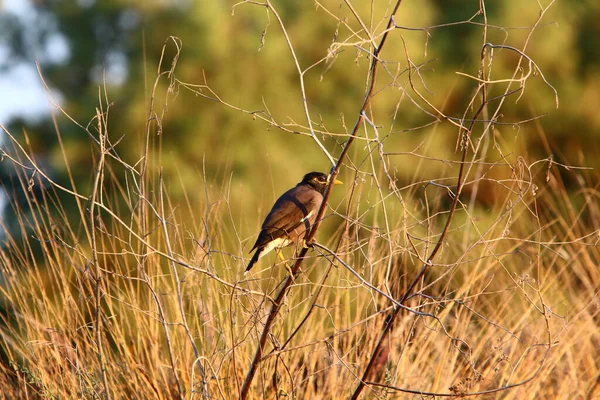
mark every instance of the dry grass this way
{"type": "Point", "coordinates": [143, 296]}
{"type": "Point", "coordinates": [510, 298]}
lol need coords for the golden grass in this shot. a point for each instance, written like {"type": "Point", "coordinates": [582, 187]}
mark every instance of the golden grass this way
{"type": "Point", "coordinates": [511, 298]}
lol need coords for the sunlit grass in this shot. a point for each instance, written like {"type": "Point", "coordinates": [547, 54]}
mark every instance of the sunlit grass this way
{"type": "Point", "coordinates": [513, 284]}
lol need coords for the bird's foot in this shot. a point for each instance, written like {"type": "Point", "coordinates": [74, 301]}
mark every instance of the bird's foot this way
{"type": "Point", "coordinates": [289, 269]}
{"type": "Point", "coordinates": [307, 245]}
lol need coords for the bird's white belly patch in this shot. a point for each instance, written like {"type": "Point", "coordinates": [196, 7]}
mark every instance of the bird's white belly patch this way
{"type": "Point", "coordinates": [277, 243]}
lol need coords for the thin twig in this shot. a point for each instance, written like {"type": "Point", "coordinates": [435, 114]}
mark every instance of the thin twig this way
{"type": "Point", "coordinates": [98, 281]}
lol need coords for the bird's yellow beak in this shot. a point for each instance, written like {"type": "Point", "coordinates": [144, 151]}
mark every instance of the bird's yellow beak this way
{"type": "Point", "coordinates": [337, 182]}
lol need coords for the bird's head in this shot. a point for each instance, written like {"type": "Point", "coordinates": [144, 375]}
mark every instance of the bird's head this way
{"type": "Point", "coordinates": [318, 181]}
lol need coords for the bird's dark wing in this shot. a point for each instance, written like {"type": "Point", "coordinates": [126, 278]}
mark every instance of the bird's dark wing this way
{"type": "Point", "coordinates": [289, 214]}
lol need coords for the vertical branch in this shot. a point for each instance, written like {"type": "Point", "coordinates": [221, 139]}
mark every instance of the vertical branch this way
{"type": "Point", "coordinates": [276, 305]}
{"type": "Point", "coordinates": [143, 165]}
{"type": "Point", "coordinates": [145, 205]}
{"type": "Point", "coordinates": [162, 317]}
{"type": "Point", "coordinates": [302, 89]}
{"type": "Point", "coordinates": [98, 292]}
{"type": "Point", "coordinates": [465, 138]}
{"type": "Point", "coordinates": [169, 250]}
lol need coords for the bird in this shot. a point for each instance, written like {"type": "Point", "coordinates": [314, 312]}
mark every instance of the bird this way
{"type": "Point", "coordinates": [292, 215]}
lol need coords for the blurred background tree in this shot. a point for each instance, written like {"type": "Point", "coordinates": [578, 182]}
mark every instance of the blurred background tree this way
{"type": "Point", "coordinates": [84, 46]}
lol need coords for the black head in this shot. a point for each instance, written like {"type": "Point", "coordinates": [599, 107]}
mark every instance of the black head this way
{"type": "Point", "coordinates": [316, 180]}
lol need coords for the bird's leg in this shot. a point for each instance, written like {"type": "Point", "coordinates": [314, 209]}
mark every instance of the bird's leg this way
{"type": "Point", "coordinates": [280, 255]}
{"type": "Point", "coordinates": [289, 269]}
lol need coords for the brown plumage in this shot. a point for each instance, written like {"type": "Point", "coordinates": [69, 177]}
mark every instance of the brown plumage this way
{"type": "Point", "coordinates": [292, 215]}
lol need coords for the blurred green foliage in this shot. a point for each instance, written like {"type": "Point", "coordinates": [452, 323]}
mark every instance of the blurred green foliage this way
{"type": "Point", "coordinates": [243, 56]}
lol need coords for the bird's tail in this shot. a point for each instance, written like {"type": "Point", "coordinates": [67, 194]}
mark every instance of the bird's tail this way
{"type": "Point", "coordinates": [254, 259]}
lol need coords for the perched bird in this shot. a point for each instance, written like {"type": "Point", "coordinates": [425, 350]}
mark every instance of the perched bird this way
{"type": "Point", "coordinates": [292, 215]}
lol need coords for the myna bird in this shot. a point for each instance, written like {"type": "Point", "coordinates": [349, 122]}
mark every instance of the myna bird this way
{"type": "Point", "coordinates": [292, 215]}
